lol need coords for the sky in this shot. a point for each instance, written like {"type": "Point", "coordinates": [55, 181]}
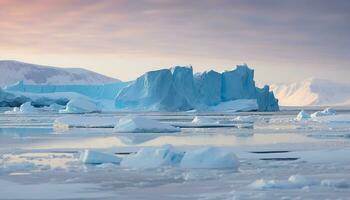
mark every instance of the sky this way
{"type": "Point", "coordinates": [284, 41]}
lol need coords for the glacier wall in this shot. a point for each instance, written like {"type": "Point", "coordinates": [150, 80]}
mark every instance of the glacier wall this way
{"type": "Point", "coordinates": [102, 91]}
{"type": "Point", "coordinates": [178, 89]}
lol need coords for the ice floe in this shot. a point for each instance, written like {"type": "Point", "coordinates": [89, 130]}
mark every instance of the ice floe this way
{"type": "Point", "coordinates": [210, 157]}
{"type": "Point", "coordinates": [136, 124]}
{"type": "Point", "coordinates": [81, 105]}
{"type": "Point", "coordinates": [152, 157]}
{"type": "Point", "coordinates": [96, 157]}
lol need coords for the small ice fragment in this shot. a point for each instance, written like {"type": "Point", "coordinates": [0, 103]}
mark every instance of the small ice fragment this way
{"type": "Point", "coordinates": [302, 116]}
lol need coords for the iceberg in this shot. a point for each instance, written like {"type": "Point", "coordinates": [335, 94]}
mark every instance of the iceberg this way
{"type": "Point", "coordinates": [302, 115]}
{"type": "Point", "coordinates": [325, 112]}
{"type": "Point", "coordinates": [96, 157]}
{"type": "Point", "coordinates": [177, 89]}
{"type": "Point", "coordinates": [81, 105]}
{"type": "Point", "coordinates": [210, 157]}
{"type": "Point", "coordinates": [135, 124]}
{"type": "Point", "coordinates": [152, 158]}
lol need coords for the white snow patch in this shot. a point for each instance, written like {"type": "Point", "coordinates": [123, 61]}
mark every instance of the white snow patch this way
{"type": "Point", "coordinates": [136, 124]}
{"type": "Point", "coordinates": [210, 157]}
{"type": "Point", "coordinates": [293, 182]}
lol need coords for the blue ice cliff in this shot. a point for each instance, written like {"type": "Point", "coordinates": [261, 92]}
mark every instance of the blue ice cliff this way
{"type": "Point", "coordinates": [178, 89]}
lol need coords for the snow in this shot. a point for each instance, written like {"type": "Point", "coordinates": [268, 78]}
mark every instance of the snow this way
{"type": "Point", "coordinates": [153, 158]}
{"type": "Point", "coordinates": [136, 124]}
{"type": "Point", "coordinates": [97, 157]}
{"type": "Point", "coordinates": [84, 121]}
{"type": "Point", "coordinates": [245, 119]}
{"type": "Point", "coordinates": [177, 89]}
{"type": "Point", "coordinates": [81, 105]}
{"type": "Point", "coordinates": [240, 105]}
{"type": "Point", "coordinates": [210, 157]}
{"type": "Point", "coordinates": [302, 115]}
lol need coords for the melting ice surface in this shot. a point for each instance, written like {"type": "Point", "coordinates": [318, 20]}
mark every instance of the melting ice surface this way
{"type": "Point", "coordinates": [279, 157]}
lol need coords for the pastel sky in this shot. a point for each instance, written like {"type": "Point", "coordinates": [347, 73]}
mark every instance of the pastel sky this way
{"type": "Point", "coordinates": [284, 41]}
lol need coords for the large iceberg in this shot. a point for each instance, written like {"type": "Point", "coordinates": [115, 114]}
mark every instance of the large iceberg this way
{"type": "Point", "coordinates": [177, 89]}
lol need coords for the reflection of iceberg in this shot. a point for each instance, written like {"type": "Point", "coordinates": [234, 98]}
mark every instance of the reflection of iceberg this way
{"type": "Point", "coordinates": [131, 139]}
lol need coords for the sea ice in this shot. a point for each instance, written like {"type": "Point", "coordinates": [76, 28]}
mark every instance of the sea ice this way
{"type": "Point", "coordinates": [81, 105]}
{"type": "Point", "coordinates": [96, 157]}
{"type": "Point", "coordinates": [210, 157]}
{"type": "Point", "coordinates": [152, 157]}
{"type": "Point", "coordinates": [84, 121]}
{"type": "Point", "coordinates": [136, 124]}
{"type": "Point", "coordinates": [293, 182]}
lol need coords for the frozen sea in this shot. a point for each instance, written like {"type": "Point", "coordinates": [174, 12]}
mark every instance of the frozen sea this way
{"type": "Point", "coordinates": [280, 158]}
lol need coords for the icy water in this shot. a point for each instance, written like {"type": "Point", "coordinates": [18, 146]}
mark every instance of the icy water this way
{"type": "Point", "coordinates": [279, 159]}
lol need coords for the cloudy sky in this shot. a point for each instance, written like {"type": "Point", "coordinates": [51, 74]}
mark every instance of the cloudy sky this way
{"type": "Point", "coordinates": [284, 41]}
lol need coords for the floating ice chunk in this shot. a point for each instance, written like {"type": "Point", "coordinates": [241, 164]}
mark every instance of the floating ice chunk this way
{"type": "Point", "coordinates": [240, 105]}
{"type": "Point", "coordinates": [203, 120]}
{"type": "Point", "coordinates": [96, 157]}
{"type": "Point", "coordinates": [24, 108]}
{"type": "Point", "coordinates": [302, 116]}
{"type": "Point", "coordinates": [81, 105]}
{"type": "Point", "coordinates": [325, 112]}
{"type": "Point", "coordinates": [135, 124]}
{"type": "Point", "coordinates": [152, 157]}
{"type": "Point", "coordinates": [211, 157]}
{"type": "Point", "coordinates": [293, 182]}
{"type": "Point", "coordinates": [82, 121]}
